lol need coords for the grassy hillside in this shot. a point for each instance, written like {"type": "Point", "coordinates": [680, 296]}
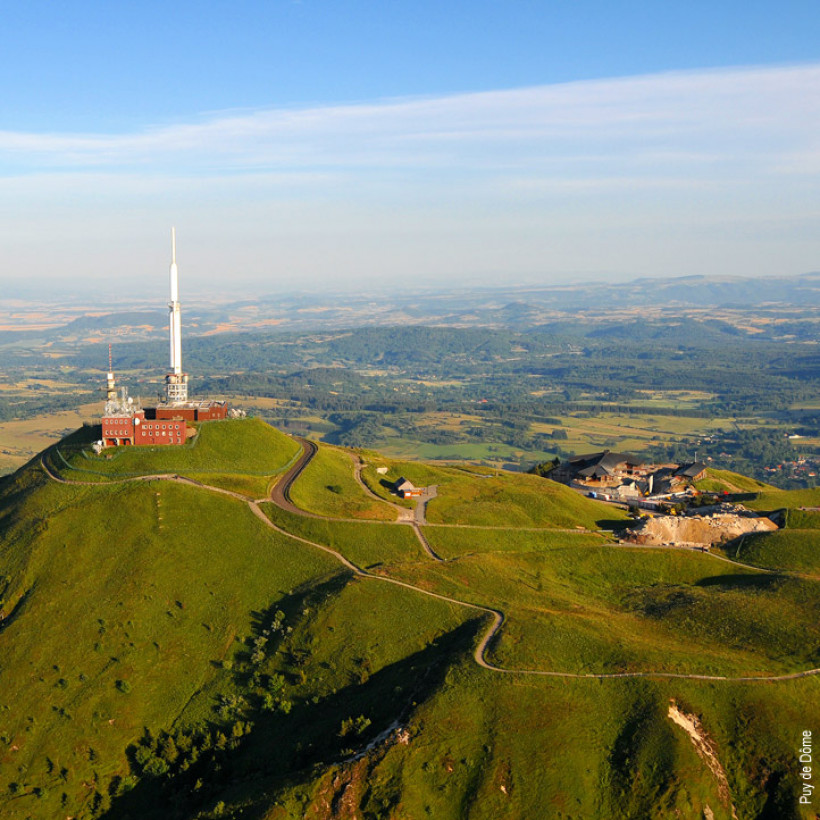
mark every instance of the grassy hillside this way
{"type": "Point", "coordinates": [794, 548]}
{"type": "Point", "coordinates": [487, 497]}
{"type": "Point", "coordinates": [454, 542]}
{"type": "Point", "coordinates": [484, 746]}
{"type": "Point", "coordinates": [111, 627]}
{"type": "Point", "coordinates": [605, 609]}
{"type": "Point", "coordinates": [165, 654]}
{"type": "Point", "coordinates": [790, 549]}
{"type": "Point", "coordinates": [244, 448]}
{"type": "Point", "coordinates": [726, 480]}
{"type": "Point", "coordinates": [790, 499]}
{"type": "Point", "coordinates": [520, 501]}
{"type": "Point", "coordinates": [365, 544]}
{"type": "Point", "coordinates": [327, 487]}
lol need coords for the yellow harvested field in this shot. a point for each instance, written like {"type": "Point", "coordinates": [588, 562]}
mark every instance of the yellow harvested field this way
{"type": "Point", "coordinates": [22, 439]}
{"type": "Point", "coordinates": [625, 432]}
{"type": "Point", "coordinates": [448, 421]}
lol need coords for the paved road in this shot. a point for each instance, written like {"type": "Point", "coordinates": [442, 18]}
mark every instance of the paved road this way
{"type": "Point", "coordinates": [498, 617]}
{"type": "Point", "coordinates": [280, 494]}
{"type": "Point", "coordinates": [421, 505]}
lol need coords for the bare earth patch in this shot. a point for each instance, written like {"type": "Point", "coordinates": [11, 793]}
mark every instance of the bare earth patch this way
{"type": "Point", "coordinates": [697, 530]}
{"type": "Point", "coordinates": [705, 748]}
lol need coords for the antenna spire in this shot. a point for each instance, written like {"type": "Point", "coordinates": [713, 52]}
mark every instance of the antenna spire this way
{"type": "Point", "coordinates": [176, 382]}
{"type": "Point", "coordinates": [110, 384]}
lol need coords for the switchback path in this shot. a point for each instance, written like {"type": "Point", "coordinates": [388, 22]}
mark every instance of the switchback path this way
{"type": "Point", "coordinates": [498, 617]}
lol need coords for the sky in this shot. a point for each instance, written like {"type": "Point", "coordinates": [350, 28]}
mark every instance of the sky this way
{"type": "Point", "coordinates": [382, 144]}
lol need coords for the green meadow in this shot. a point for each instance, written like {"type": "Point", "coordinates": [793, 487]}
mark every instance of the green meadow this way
{"type": "Point", "coordinates": [327, 487]}
{"type": "Point", "coordinates": [794, 550]}
{"type": "Point", "coordinates": [111, 627]}
{"type": "Point", "coordinates": [364, 544]}
{"type": "Point", "coordinates": [613, 609]}
{"type": "Point", "coordinates": [167, 655]}
{"type": "Point", "coordinates": [244, 447]}
{"type": "Point", "coordinates": [454, 542]}
{"type": "Point", "coordinates": [726, 480]}
{"type": "Point", "coordinates": [487, 497]}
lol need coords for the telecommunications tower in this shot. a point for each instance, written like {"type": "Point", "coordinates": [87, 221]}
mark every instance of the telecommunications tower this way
{"type": "Point", "coordinates": [176, 382]}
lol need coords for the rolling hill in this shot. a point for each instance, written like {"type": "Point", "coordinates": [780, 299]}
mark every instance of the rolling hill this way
{"type": "Point", "coordinates": [174, 644]}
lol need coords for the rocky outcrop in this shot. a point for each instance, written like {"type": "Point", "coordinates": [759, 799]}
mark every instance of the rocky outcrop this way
{"type": "Point", "coordinates": [697, 530]}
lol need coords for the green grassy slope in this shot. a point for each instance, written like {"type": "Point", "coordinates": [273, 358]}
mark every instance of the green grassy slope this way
{"type": "Point", "coordinates": [327, 487]}
{"type": "Point", "coordinates": [490, 747]}
{"type": "Point", "coordinates": [454, 542]}
{"type": "Point", "coordinates": [495, 498]}
{"type": "Point", "coordinates": [795, 547]}
{"type": "Point", "coordinates": [244, 448]}
{"type": "Point", "coordinates": [790, 549]}
{"type": "Point", "coordinates": [111, 627]}
{"type": "Point", "coordinates": [789, 499]}
{"type": "Point", "coordinates": [517, 500]}
{"type": "Point", "coordinates": [604, 609]}
{"type": "Point", "coordinates": [720, 480]}
{"type": "Point", "coordinates": [364, 544]}
{"type": "Point", "coordinates": [165, 654]}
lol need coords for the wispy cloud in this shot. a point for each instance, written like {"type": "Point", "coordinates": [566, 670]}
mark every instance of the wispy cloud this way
{"type": "Point", "coordinates": [670, 173]}
{"type": "Point", "coordinates": [677, 120]}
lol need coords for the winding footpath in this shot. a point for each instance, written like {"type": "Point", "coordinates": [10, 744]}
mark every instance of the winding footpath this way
{"type": "Point", "coordinates": [280, 497]}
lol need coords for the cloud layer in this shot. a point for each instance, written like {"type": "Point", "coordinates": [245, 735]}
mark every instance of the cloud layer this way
{"type": "Point", "coordinates": [587, 176]}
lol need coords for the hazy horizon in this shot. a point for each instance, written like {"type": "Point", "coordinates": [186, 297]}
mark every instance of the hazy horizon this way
{"type": "Point", "coordinates": [298, 146]}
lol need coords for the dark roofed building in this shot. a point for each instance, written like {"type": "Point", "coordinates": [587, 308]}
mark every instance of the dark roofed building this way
{"type": "Point", "coordinates": [599, 467]}
{"type": "Point", "coordinates": [694, 471]}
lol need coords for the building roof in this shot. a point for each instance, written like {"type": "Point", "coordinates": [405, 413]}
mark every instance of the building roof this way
{"type": "Point", "coordinates": [606, 460]}
{"type": "Point", "coordinates": [404, 484]}
{"type": "Point", "coordinates": [595, 471]}
{"type": "Point", "coordinates": [691, 470]}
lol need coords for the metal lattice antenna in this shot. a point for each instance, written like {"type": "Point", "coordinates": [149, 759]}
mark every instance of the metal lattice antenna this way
{"type": "Point", "coordinates": [110, 367]}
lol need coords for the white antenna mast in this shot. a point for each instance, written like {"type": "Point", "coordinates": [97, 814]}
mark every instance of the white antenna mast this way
{"type": "Point", "coordinates": [176, 382]}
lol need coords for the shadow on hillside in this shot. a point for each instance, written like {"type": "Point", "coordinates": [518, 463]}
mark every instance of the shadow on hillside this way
{"type": "Point", "coordinates": [282, 749]}
{"type": "Point", "coordinates": [86, 434]}
{"type": "Point", "coordinates": [741, 582]}
{"type": "Point", "coordinates": [614, 524]}
{"type": "Point", "coordinates": [390, 486]}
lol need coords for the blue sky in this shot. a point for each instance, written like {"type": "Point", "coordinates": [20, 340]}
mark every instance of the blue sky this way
{"type": "Point", "coordinates": [348, 144]}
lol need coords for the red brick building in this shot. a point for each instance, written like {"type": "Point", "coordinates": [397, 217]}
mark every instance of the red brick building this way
{"type": "Point", "coordinates": [189, 410]}
{"type": "Point", "coordinates": [135, 429]}
{"type": "Point", "coordinates": [165, 424]}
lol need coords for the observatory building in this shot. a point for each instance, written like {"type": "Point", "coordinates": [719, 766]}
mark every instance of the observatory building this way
{"type": "Point", "coordinates": [124, 422]}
